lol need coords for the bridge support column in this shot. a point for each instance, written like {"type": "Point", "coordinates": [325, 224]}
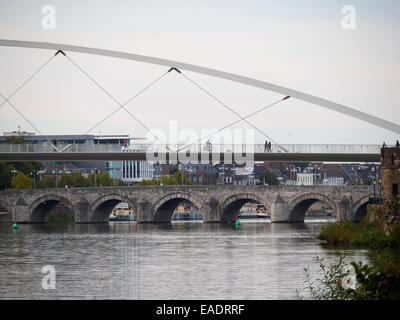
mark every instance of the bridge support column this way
{"type": "Point", "coordinates": [279, 210]}
{"type": "Point", "coordinates": [144, 212]}
{"type": "Point", "coordinates": [82, 212]}
{"type": "Point", "coordinates": [344, 208]}
{"type": "Point", "coordinates": [211, 212]}
{"type": "Point", "coordinates": [20, 211]}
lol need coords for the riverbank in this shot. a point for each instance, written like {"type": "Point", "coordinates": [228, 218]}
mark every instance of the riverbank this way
{"type": "Point", "coordinates": [348, 233]}
{"type": "Point", "coordinates": [377, 280]}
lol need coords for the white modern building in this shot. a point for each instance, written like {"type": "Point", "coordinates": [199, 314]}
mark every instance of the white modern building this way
{"type": "Point", "coordinates": [333, 181]}
{"type": "Point", "coordinates": [136, 171]}
{"type": "Point", "coordinates": [305, 179]}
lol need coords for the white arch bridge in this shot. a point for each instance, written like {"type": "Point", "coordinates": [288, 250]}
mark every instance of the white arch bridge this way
{"type": "Point", "coordinates": [176, 65]}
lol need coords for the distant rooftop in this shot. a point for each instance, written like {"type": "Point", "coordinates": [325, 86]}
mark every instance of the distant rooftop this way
{"type": "Point", "coordinates": [18, 134]}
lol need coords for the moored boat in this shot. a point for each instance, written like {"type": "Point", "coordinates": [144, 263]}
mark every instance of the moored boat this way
{"type": "Point", "coordinates": [122, 212]}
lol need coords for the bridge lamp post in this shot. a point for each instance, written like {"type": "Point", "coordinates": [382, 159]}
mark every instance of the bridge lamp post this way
{"type": "Point", "coordinates": [56, 173]}
{"type": "Point", "coordinates": [34, 178]}
{"type": "Point", "coordinates": [95, 177]}
{"type": "Point", "coordinates": [189, 171]}
{"type": "Point", "coordinates": [40, 173]}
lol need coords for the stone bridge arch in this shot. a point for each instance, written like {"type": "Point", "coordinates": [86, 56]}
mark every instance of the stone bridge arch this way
{"type": "Point", "coordinates": [359, 209]}
{"type": "Point", "coordinates": [40, 209]}
{"type": "Point", "coordinates": [298, 207]}
{"type": "Point", "coordinates": [230, 207]}
{"type": "Point", "coordinates": [164, 207]}
{"type": "Point", "coordinates": [102, 206]}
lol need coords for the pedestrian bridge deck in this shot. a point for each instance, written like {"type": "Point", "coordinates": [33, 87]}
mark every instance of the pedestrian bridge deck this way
{"type": "Point", "coordinates": [203, 153]}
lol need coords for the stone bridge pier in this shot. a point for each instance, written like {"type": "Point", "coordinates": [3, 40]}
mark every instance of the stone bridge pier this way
{"type": "Point", "coordinates": [156, 204]}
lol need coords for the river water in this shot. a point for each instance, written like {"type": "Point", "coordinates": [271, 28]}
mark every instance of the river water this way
{"type": "Point", "coordinates": [181, 260]}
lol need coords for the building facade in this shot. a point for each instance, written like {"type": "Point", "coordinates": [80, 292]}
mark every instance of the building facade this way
{"type": "Point", "coordinates": [305, 179]}
{"type": "Point", "coordinates": [200, 174]}
{"type": "Point", "coordinates": [334, 181]}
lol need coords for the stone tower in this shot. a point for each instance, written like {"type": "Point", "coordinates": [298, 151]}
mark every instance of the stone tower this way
{"type": "Point", "coordinates": [390, 165]}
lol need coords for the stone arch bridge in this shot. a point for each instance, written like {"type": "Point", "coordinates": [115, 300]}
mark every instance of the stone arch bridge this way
{"type": "Point", "coordinates": [157, 203]}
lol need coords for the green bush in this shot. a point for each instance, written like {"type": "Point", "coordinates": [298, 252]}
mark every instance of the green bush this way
{"type": "Point", "coordinates": [377, 282]}
{"type": "Point", "coordinates": [328, 284]}
{"type": "Point", "coordinates": [394, 237]}
{"type": "Point", "coordinates": [381, 281]}
{"type": "Point", "coordinates": [358, 234]}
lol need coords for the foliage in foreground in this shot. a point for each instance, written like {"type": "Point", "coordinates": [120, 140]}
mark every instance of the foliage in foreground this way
{"type": "Point", "coordinates": [338, 281]}
{"type": "Point", "coordinates": [359, 234]}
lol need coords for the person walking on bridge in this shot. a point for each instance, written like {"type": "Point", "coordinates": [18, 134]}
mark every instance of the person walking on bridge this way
{"type": "Point", "coordinates": [208, 145]}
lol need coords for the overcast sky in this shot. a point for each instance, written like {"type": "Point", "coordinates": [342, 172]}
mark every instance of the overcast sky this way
{"type": "Point", "coordinates": [297, 44]}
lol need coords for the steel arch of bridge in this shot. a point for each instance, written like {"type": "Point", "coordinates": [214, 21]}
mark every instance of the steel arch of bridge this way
{"type": "Point", "coordinates": [214, 73]}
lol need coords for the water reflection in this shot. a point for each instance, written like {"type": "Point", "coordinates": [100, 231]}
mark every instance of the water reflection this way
{"type": "Point", "coordinates": [179, 260]}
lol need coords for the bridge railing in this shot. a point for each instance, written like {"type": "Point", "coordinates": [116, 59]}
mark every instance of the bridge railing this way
{"type": "Point", "coordinates": [47, 147]}
{"type": "Point", "coordinates": [226, 148]}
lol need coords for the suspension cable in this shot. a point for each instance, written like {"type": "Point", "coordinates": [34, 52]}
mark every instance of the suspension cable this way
{"type": "Point", "coordinates": [230, 109]}
{"type": "Point", "coordinates": [27, 80]}
{"type": "Point", "coordinates": [114, 99]}
{"type": "Point", "coordinates": [127, 102]}
{"type": "Point", "coordinates": [20, 113]}
{"type": "Point", "coordinates": [237, 121]}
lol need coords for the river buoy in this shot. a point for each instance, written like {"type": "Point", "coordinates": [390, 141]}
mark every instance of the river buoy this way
{"type": "Point", "coordinates": [15, 226]}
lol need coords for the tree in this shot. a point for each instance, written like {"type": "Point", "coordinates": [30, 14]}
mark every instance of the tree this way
{"type": "Point", "coordinates": [368, 181]}
{"type": "Point", "coordinates": [152, 182]}
{"type": "Point", "coordinates": [21, 181]}
{"type": "Point", "coordinates": [15, 140]}
{"type": "Point", "coordinates": [101, 178]}
{"type": "Point", "coordinates": [104, 179]}
{"type": "Point", "coordinates": [270, 178]}
{"type": "Point", "coordinates": [24, 167]}
{"type": "Point", "coordinates": [65, 180]}
{"type": "Point", "coordinates": [168, 180]}
{"type": "Point", "coordinates": [47, 183]}
{"type": "Point", "coordinates": [75, 179]}
{"type": "Point", "coordinates": [5, 175]}
{"type": "Point", "coordinates": [173, 170]}
{"type": "Point", "coordinates": [354, 182]}
{"type": "Point", "coordinates": [120, 183]}
{"type": "Point", "coordinates": [178, 177]}
{"type": "Point", "coordinates": [78, 180]}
